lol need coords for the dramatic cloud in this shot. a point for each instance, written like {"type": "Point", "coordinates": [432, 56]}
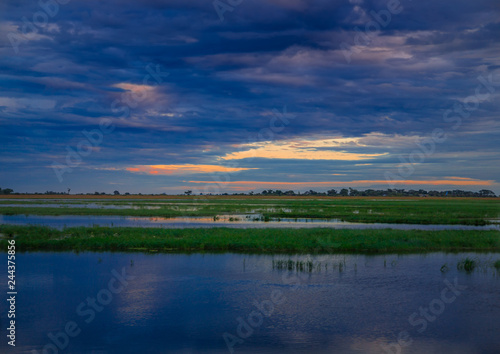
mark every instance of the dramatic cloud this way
{"type": "Point", "coordinates": [183, 169]}
{"type": "Point", "coordinates": [141, 96]}
{"type": "Point", "coordinates": [302, 150]}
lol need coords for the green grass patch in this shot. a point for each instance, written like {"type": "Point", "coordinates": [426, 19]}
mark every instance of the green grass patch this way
{"type": "Point", "coordinates": [465, 211]}
{"type": "Point", "coordinates": [317, 240]}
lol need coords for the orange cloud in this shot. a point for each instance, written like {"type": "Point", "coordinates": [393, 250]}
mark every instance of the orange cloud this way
{"type": "Point", "coordinates": [183, 169]}
{"type": "Point", "coordinates": [316, 149]}
{"type": "Point", "coordinates": [133, 87]}
{"type": "Point", "coordinates": [356, 183]}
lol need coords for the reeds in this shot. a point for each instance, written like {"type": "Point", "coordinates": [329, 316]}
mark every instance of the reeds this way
{"type": "Point", "coordinates": [299, 266]}
{"type": "Point", "coordinates": [306, 266]}
{"type": "Point", "coordinates": [467, 264]}
{"type": "Point", "coordinates": [497, 265]}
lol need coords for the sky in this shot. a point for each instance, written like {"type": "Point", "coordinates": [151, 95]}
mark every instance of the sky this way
{"type": "Point", "coordinates": [236, 96]}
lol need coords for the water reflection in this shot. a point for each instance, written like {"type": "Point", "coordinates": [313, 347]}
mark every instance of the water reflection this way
{"type": "Point", "coordinates": [85, 205]}
{"type": "Point", "coordinates": [186, 303]}
{"type": "Point", "coordinates": [232, 221]}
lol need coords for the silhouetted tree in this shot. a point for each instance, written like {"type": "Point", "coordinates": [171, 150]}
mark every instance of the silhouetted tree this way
{"type": "Point", "coordinates": [331, 192]}
{"type": "Point", "coordinates": [6, 191]}
{"type": "Point", "coordinates": [486, 193]}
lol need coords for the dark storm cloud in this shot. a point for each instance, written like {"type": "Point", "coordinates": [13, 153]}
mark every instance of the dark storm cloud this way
{"type": "Point", "coordinates": [226, 77]}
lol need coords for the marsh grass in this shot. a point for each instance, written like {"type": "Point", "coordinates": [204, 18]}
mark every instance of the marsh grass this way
{"type": "Point", "coordinates": [314, 240]}
{"type": "Point", "coordinates": [299, 266]}
{"type": "Point", "coordinates": [471, 264]}
{"type": "Point", "coordinates": [467, 211]}
{"type": "Point", "coordinates": [497, 265]}
{"type": "Point", "coordinates": [305, 266]}
{"type": "Point", "coordinates": [467, 264]}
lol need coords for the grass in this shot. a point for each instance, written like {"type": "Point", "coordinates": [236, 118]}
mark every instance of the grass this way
{"type": "Point", "coordinates": [465, 211]}
{"type": "Point", "coordinates": [470, 264]}
{"type": "Point", "coordinates": [320, 240]}
{"type": "Point", "coordinates": [299, 266]}
{"type": "Point", "coordinates": [305, 266]}
{"type": "Point", "coordinates": [467, 264]}
{"type": "Point", "coordinates": [497, 265]}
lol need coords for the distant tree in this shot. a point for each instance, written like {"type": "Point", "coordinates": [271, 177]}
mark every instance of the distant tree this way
{"type": "Point", "coordinates": [344, 192]}
{"type": "Point", "coordinates": [331, 192]}
{"type": "Point", "coordinates": [116, 193]}
{"type": "Point", "coordinates": [353, 192]}
{"type": "Point", "coordinates": [69, 190]}
{"type": "Point", "coordinates": [96, 193]}
{"type": "Point", "coordinates": [7, 191]}
{"type": "Point", "coordinates": [486, 193]}
{"type": "Point", "coordinates": [188, 192]}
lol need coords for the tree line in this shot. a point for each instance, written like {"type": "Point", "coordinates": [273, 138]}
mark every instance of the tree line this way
{"type": "Point", "coordinates": [344, 192]}
{"type": "Point", "coordinates": [352, 192]}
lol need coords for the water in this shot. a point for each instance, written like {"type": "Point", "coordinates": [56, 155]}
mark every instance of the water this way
{"type": "Point", "coordinates": [232, 221]}
{"type": "Point", "coordinates": [186, 303]}
{"type": "Point", "coordinates": [85, 205]}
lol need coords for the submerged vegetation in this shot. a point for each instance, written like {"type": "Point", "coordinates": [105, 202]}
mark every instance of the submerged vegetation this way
{"type": "Point", "coordinates": [315, 240]}
{"type": "Point", "coordinates": [497, 264]}
{"type": "Point", "coordinates": [306, 266]}
{"type": "Point", "coordinates": [467, 264]}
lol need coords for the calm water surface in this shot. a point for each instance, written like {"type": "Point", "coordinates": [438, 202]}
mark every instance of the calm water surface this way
{"type": "Point", "coordinates": [237, 221]}
{"type": "Point", "coordinates": [187, 303]}
{"type": "Point", "coordinates": [76, 205]}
